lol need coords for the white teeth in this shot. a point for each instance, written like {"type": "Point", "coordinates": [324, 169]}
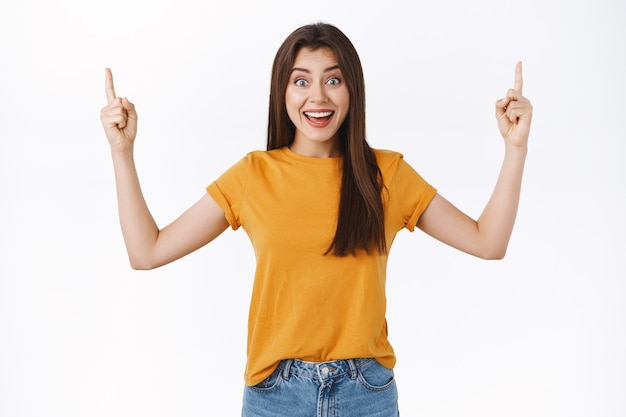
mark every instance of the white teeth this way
{"type": "Point", "coordinates": [318, 115]}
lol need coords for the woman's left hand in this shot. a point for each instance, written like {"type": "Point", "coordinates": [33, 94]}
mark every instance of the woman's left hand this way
{"type": "Point", "coordinates": [514, 113]}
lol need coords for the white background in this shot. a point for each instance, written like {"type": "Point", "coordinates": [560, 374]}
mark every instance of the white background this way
{"type": "Point", "coordinates": [541, 333]}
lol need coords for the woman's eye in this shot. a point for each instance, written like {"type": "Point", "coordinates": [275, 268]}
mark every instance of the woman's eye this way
{"type": "Point", "coordinates": [301, 83]}
{"type": "Point", "coordinates": [334, 81]}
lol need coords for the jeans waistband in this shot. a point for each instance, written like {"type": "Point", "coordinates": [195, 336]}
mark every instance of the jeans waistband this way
{"type": "Point", "coordinates": [322, 370]}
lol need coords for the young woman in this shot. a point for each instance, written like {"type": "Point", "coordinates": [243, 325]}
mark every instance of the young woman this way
{"type": "Point", "coordinates": [321, 209]}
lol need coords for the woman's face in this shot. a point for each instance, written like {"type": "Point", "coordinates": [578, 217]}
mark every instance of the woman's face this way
{"type": "Point", "coordinates": [317, 101]}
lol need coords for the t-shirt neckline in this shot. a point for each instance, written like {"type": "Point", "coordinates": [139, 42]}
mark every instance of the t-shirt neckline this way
{"type": "Point", "coordinates": [332, 160]}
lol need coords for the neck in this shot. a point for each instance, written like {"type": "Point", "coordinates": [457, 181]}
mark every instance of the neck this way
{"type": "Point", "coordinates": [326, 149]}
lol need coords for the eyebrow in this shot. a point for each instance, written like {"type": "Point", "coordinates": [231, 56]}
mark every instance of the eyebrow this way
{"type": "Point", "coordinates": [334, 67]}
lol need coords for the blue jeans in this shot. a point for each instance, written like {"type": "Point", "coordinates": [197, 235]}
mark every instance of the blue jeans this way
{"type": "Point", "coordinates": [345, 388]}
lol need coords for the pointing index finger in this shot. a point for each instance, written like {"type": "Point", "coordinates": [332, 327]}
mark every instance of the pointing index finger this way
{"type": "Point", "coordinates": [108, 85]}
{"type": "Point", "coordinates": [518, 84]}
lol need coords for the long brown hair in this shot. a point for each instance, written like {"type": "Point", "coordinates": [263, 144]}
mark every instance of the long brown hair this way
{"type": "Point", "coordinates": [360, 224]}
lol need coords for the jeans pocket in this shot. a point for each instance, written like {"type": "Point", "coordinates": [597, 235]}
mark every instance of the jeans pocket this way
{"type": "Point", "coordinates": [376, 377]}
{"type": "Point", "coordinates": [270, 383]}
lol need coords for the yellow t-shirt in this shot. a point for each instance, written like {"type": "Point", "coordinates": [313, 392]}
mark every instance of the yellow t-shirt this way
{"type": "Point", "coordinates": [306, 305]}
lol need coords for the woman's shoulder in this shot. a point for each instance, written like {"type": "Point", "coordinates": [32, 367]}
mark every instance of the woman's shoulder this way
{"type": "Point", "coordinates": [386, 157]}
{"type": "Point", "coordinates": [386, 153]}
{"type": "Point", "coordinates": [255, 157]}
{"type": "Point", "coordinates": [255, 161]}
{"type": "Point", "coordinates": [266, 154]}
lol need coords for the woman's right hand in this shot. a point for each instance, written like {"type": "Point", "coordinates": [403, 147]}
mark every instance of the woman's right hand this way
{"type": "Point", "coordinates": [119, 118]}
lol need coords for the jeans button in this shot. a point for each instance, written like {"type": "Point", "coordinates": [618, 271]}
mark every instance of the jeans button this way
{"type": "Point", "coordinates": [325, 370]}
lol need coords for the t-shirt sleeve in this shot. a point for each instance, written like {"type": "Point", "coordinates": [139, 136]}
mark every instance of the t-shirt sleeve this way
{"type": "Point", "coordinates": [229, 189]}
{"type": "Point", "coordinates": [414, 193]}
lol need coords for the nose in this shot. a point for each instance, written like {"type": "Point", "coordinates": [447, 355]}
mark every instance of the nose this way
{"type": "Point", "coordinates": [318, 94]}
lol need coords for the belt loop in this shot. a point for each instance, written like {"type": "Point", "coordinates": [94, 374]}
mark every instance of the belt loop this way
{"type": "Point", "coordinates": [287, 366]}
{"type": "Point", "coordinates": [353, 369]}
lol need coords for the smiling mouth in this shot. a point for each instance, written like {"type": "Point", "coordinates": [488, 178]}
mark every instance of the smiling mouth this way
{"type": "Point", "coordinates": [318, 116]}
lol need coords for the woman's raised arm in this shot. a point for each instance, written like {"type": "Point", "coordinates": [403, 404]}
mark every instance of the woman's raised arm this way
{"type": "Point", "coordinates": [147, 246]}
{"type": "Point", "coordinates": [488, 237]}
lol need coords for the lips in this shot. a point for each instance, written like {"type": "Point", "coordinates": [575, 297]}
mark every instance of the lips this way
{"type": "Point", "coordinates": [318, 114]}
{"type": "Point", "coordinates": [318, 118]}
